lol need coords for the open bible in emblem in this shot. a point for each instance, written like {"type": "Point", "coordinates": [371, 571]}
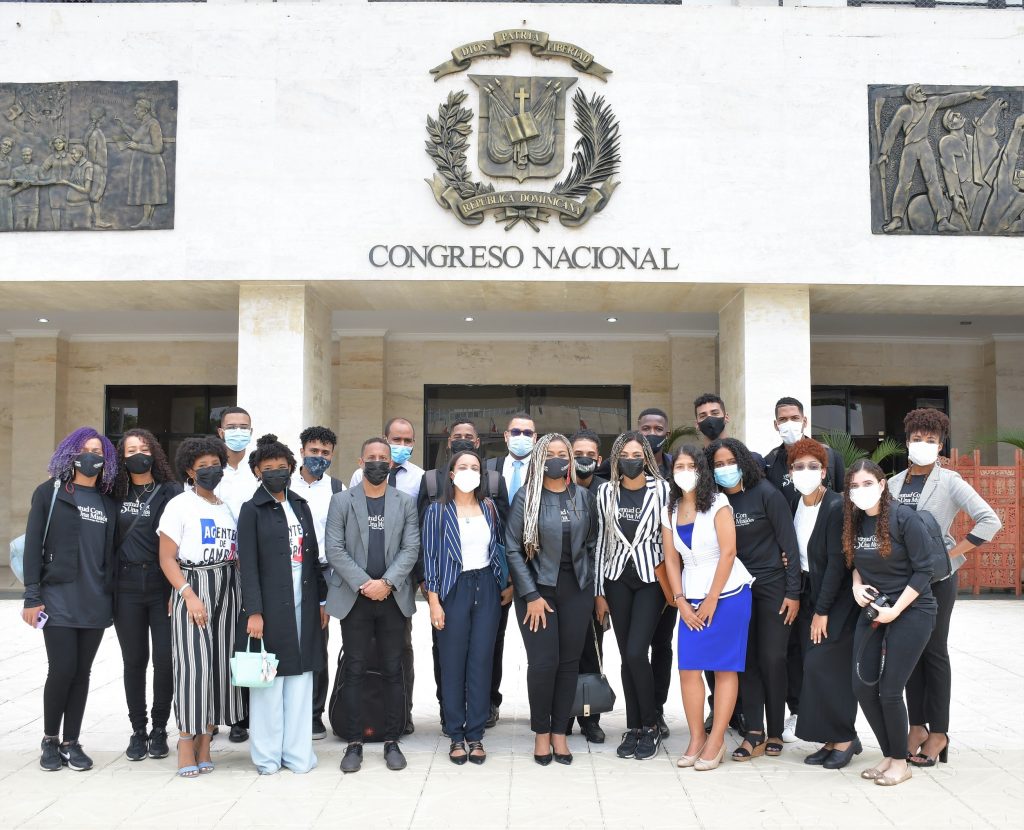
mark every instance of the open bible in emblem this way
{"type": "Point", "coordinates": [522, 126]}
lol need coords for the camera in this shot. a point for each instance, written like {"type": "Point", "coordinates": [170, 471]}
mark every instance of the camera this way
{"type": "Point", "coordinates": [881, 600]}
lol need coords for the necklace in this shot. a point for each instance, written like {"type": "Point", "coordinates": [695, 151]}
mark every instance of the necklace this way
{"type": "Point", "coordinates": [138, 492]}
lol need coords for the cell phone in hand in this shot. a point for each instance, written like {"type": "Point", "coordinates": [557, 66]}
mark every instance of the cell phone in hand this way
{"type": "Point", "coordinates": [41, 619]}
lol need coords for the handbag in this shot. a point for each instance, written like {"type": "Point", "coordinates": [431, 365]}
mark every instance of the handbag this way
{"type": "Point", "coordinates": [594, 694]}
{"type": "Point", "coordinates": [251, 669]}
{"type": "Point", "coordinates": [17, 546]}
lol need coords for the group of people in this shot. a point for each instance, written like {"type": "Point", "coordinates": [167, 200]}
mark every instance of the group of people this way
{"type": "Point", "coordinates": [784, 579]}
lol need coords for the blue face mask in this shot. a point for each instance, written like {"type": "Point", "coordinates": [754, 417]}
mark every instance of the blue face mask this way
{"type": "Point", "coordinates": [316, 465]}
{"type": "Point", "coordinates": [237, 439]}
{"type": "Point", "coordinates": [728, 476]}
{"type": "Point", "coordinates": [520, 445]}
{"type": "Point", "coordinates": [400, 454]}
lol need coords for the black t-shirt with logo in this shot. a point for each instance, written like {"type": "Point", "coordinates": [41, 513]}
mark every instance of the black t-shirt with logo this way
{"type": "Point", "coordinates": [376, 562]}
{"type": "Point", "coordinates": [910, 493]}
{"type": "Point", "coordinates": [142, 545]}
{"type": "Point", "coordinates": [631, 504]}
{"type": "Point", "coordinates": [764, 530]}
{"type": "Point", "coordinates": [564, 510]}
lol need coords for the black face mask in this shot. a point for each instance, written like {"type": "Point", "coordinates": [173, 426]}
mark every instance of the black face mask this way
{"type": "Point", "coordinates": [462, 445]}
{"type": "Point", "coordinates": [139, 463]}
{"type": "Point", "coordinates": [376, 472]}
{"type": "Point", "coordinates": [585, 466]}
{"type": "Point", "coordinates": [89, 464]}
{"type": "Point", "coordinates": [712, 426]}
{"type": "Point", "coordinates": [276, 480]}
{"type": "Point", "coordinates": [556, 467]}
{"type": "Point", "coordinates": [656, 442]}
{"type": "Point", "coordinates": [209, 477]}
{"type": "Point", "coordinates": [631, 467]}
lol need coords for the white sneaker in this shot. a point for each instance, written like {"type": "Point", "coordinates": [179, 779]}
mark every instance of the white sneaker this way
{"type": "Point", "coordinates": [789, 732]}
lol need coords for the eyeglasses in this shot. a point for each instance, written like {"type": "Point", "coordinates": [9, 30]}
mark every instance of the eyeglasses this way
{"type": "Point", "coordinates": [813, 465]}
{"type": "Point", "coordinates": [515, 432]}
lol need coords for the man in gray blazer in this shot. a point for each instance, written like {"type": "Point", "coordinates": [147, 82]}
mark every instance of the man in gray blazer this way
{"type": "Point", "coordinates": [373, 542]}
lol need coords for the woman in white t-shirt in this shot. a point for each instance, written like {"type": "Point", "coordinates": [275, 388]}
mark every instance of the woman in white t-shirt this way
{"type": "Point", "coordinates": [709, 584]}
{"type": "Point", "coordinates": [198, 555]}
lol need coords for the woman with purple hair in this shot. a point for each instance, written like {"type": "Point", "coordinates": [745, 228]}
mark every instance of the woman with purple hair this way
{"type": "Point", "coordinates": [69, 583]}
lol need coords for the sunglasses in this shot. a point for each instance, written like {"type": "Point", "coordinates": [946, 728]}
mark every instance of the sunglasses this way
{"type": "Point", "coordinates": [515, 432]}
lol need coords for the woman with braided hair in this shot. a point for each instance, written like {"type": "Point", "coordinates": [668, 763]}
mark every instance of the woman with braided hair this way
{"type": "Point", "coordinates": [629, 549]}
{"type": "Point", "coordinates": [886, 544]}
{"type": "Point", "coordinates": [550, 541]}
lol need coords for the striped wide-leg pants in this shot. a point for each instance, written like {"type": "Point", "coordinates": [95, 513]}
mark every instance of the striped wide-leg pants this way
{"type": "Point", "coordinates": [203, 694]}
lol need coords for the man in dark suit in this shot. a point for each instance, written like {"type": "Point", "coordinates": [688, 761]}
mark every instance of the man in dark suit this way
{"type": "Point", "coordinates": [373, 542]}
{"type": "Point", "coordinates": [462, 437]}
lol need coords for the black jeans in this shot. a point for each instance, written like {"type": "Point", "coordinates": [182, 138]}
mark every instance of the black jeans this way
{"type": "Point", "coordinates": [661, 653]}
{"type": "Point", "coordinates": [882, 702]}
{"type": "Point", "coordinates": [70, 652]}
{"type": "Point", "coordinates": [499, 655]}
{"type": "Point", "coordinates": [384, 621]}
{"type": "Point", "coordinates": [140, 615]}
{"type": "Point", "coordinates": [763, 680]}
{"type": "Point", "coordinates": [799, 643]}
{"type": "Point", "coordinates": [931, 683]}
{"type": "Point", "coordinates": [322, 679]}
{"type": "Point", "coordinates": [553, 653]}
{"type": "Point", "coordinates": [636, 608]}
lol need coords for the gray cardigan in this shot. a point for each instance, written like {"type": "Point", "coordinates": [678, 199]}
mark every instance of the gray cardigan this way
{"type": "Point", "coordinates": [347, 541]}
{"type": "Point", "coordinates": [945, 494]}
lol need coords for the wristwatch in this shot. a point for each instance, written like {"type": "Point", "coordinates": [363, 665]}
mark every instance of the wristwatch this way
{"type": "Point", "coordinates": [389, 583]}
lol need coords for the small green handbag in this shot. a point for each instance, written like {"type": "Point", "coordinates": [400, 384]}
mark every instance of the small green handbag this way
{"type": "Point", "coordinates": [254, 670]}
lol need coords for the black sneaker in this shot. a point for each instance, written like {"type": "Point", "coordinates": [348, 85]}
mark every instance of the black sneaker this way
{"type": "Point", "coordinates": [353, 760]}
{"type": "Point", "coordinates": [650, 742]}
{"type": "Point", "coordinates": [592, 732]}
{"type": "Point", "coordinates": [630, 738]}
{"type": "Point", "coordinates": [138, 746]}
{"type": "Point", "coordinates": [50, 758]}
{"type": "Point", "coordinates": [71, 755]}
{"type": "Point", "coordinates": [663, 727]}
{"type": "Point", "coordinates": [492, 718]}
{"type": "Point", "coordinates": [238, 734]}
{"type": "Point", "coordinates": [319, 730]}
{"type": "Point", "coordinates": [158, 743]}
{"type": "Point", "coordinates": [393, 756]}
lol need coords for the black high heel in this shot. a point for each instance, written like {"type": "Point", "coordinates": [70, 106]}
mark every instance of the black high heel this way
{"type": "Point", "coordinates": [459, 760]}
{"type": "Point", "coordinates": [563, 759]}
{"type": "Point", "coordinates": [477, 746]}
{"type": "Point", "coordinates": [927, 760]}
{"type": "Point", "coordinates": [544, 760]}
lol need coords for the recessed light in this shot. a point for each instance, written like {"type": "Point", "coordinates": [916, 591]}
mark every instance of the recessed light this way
{"type": "Point", "coordinates": [44, 319]}
{"type": "Point", "coordinates": [613, 319]}
{"type": "Point", "coordinates": [966, 323]}
{"type": "Point", "coordinates": [469, 319]}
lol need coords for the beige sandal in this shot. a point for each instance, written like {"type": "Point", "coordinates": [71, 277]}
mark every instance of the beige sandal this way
{"type": "Point", "coordinates": [888, 781]}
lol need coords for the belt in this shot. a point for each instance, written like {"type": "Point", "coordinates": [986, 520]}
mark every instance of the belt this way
{"type": "Point", "coordinates": [185, 566]}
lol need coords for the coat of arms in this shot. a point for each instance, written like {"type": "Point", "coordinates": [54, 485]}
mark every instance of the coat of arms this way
{"type": "Point", "coordinates": [522, 136]}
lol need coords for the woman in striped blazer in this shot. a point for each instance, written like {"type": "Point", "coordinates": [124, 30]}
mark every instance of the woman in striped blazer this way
{"type": "Point", "coordinates": [466, 572]}
{"type": "Point", "coordinates": [629, 548]}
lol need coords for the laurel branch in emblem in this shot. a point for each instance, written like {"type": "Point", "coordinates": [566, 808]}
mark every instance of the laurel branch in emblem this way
{"type": "Point", "coordinates": [584, 191]}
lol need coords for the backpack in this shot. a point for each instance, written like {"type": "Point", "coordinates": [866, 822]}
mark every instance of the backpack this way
{"type": "Point", "coordinates": [373, 714]}
{"type": "Point", "coordinates": [336, 486]}
{"type": "Point", "coordinates": [942, 567]}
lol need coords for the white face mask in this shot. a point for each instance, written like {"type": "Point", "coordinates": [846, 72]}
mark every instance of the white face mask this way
{"type": "Point", "coordinates": [791, 431]}
{"type": "Point", "coordinates": [466, 480]}
{"type": "Point", "coordinates": [866, 497]}
{"type": "Point", "coordinates": [922, 453]}
{"type": "Point", "coordinates": [806, 481]}
{"type": "Point", "coordinates": [686, 479]}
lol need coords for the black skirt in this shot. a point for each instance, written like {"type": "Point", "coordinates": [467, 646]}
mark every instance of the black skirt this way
{"type": "Point", "coordinates": [828, 708]}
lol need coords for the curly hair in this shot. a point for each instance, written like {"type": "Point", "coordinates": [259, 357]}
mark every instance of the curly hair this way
{"type": "Point", "coordinates": [706, 488]}
{"type": "Point", "coordinates": [853, 515]}
{"type": "Point", "coordinates": [321, 434]}
{"type": "Point", "coordinates": [750, 469]}
{"type": "Point", "coordinates": [62, 462]}
{"type": "Point", "coordinates": [532, 487]}
{"type": "Point", "coordinates": [268, 448]}
{"type": "Point", "coordinates": [926, 420]}
{"type": "Point", "coordinates": [161, 466]}
{"type": "Point", "coordinates": [805, 447]}
{"type": "Point", "coordinates": [193, 448]}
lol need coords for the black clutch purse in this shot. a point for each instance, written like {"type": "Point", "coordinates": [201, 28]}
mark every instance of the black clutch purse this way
{"type": "Point", "coordinates": [594, 694]}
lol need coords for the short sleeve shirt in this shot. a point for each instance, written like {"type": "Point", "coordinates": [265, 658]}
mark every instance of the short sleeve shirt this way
{"type": "Point", "coordinates": [206, 534]}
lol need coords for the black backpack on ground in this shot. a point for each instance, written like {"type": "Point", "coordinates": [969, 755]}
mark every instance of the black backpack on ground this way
{"type": "Point", "coordinates": [373, 700]}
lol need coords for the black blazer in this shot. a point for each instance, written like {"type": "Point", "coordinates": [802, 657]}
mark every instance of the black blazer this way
{"type": "Point", "coordinates": [264, 557]}
{"type": "Point", "coordinates": [831, 581]}
{"type": "Point", "coordinates": [58, 560]}
{"type": "Point", "coordinates": [543, 568]}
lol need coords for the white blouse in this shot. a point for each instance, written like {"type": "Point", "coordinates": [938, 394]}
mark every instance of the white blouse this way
{"type": "Point", "coordinates": [701, 560]}
{"type": "Point", "coordinates": [475, 536]}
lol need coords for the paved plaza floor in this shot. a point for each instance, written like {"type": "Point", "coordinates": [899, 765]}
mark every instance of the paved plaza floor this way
{"type": "Point", "coordinates": [982, 786]}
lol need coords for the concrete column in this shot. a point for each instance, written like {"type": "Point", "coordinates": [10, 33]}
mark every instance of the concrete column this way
{"type": "Point", "coordinates": [284, 359]}
{"type": "Point", "coordinates": [37, 420]}
{"type": "Point", "coordinates": [361, 388]}
{"type": "Point", "coordinates": [1009, 389]}
{"type": "Point", "coordinates": [694, 359]}
{"type": "Point", "coordinates": [764, 349]}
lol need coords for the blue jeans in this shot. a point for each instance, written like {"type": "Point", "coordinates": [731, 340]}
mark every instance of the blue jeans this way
{"type": "Point", "coordinates": [465, 645]}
